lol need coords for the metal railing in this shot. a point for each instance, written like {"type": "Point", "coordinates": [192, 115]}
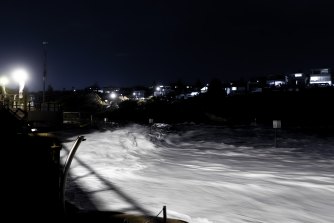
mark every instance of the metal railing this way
{"type": "Point", "coordinates": [66, 168]}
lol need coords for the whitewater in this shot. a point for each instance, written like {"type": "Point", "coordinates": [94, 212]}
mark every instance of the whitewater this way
{"type": "Point", "coordinates": [203, 173]}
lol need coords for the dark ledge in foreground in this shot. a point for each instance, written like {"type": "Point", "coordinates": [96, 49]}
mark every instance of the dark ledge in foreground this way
{"type": "Point", "coordinates": [75, 215]}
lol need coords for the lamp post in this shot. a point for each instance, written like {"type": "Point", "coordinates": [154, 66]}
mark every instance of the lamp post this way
{"type": "Point", "coordinates": [4, 81]}
{"type": "Point", "coordinates": [45, 67]}
{"type": "Point", "coordinates": [20, 76]}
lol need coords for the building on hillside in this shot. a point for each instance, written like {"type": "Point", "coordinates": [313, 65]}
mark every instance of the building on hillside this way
{"type": "Point", "coordinates": [320, 77]}
{"type": "Point", "coordinates": [256, 85]}
{"type": "Point", "coordinates": [276, 81]}
{"type": "Point", "coordinates": [235, 88]}
{"type": "Point", "coordinates": [296, 81]}
{"type": "Point", "coordinates": [205, 89]}
{"type": "Point", "coordinates": [138, 94]}
{"type": "Point", "coordinates": [161, 91]}
{"type": "Point", "coordinates": [108, 90]}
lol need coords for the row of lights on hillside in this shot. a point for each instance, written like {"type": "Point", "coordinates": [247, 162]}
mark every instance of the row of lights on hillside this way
{"type": "Point", "coordinates": [20, 76]}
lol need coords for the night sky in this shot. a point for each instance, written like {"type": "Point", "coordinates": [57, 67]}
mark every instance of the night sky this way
{"type": "Point", "coordinates": [126, 43]}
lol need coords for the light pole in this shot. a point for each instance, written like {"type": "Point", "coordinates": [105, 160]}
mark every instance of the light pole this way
{"type": "Point", "coordinates": [20, 76]}
{"type": "Point", "coordinates": [44, 70]}
{"type": "Point", "coordinates": [4, 81]}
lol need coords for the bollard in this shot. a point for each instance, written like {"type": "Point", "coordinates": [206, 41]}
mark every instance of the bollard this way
{"type": "Point", "coordinates": [276, 125]}
{"type": "Point", "coordinates": [275, 138]}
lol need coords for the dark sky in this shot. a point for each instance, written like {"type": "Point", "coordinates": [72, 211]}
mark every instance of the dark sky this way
{"type": "Point", "coordinates": [126, 43]}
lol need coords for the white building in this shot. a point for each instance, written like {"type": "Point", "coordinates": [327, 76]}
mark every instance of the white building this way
{"type": "Point", "coordinates": [321, 77]}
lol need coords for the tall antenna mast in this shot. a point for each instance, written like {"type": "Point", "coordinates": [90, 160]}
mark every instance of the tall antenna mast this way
{"type": "Point", "coordinates": [45, 68]}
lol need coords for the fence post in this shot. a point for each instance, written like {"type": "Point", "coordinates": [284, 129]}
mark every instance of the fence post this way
{"type": "Point", "coordinates": [164, 210]}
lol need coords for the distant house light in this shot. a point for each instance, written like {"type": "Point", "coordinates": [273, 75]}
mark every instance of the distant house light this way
{"type": "Point", "coordinates": [298, 75]}
{"type": "Point", "coordinates": [158, 88]}
{"type": "Point", "coordinates": [234, 88]}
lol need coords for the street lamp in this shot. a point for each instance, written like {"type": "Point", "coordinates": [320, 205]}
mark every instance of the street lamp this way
{"type": "Point", "coordinates": [113, 95]}
{"type": "Point", "coordinates": [3, 82]}
{"type": "Point", "coordinates": [20, 76]}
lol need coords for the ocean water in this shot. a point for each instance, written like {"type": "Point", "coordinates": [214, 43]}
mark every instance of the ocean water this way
{"type": "Point", "coordinates": [204, 173]}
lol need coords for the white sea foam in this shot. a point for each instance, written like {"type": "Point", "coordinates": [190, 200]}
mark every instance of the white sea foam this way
{"type": "Point", "coordinates": [207, 174]}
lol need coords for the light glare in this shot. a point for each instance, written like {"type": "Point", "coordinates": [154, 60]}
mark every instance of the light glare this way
{"type": "Point", "coordinates": [20, 76]}
{"type": "Point", "coordinates": [4, 81]}
{"type": "Point", "coordinates": [113, 95]}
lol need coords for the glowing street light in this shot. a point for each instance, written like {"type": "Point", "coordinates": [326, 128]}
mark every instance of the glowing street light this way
{"type": "Point", "coordinates": [113, 95]}
{"type": "Point", "coordinates": [3, 82]}
{"type": "Point", "coordinates": [20, 76]}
